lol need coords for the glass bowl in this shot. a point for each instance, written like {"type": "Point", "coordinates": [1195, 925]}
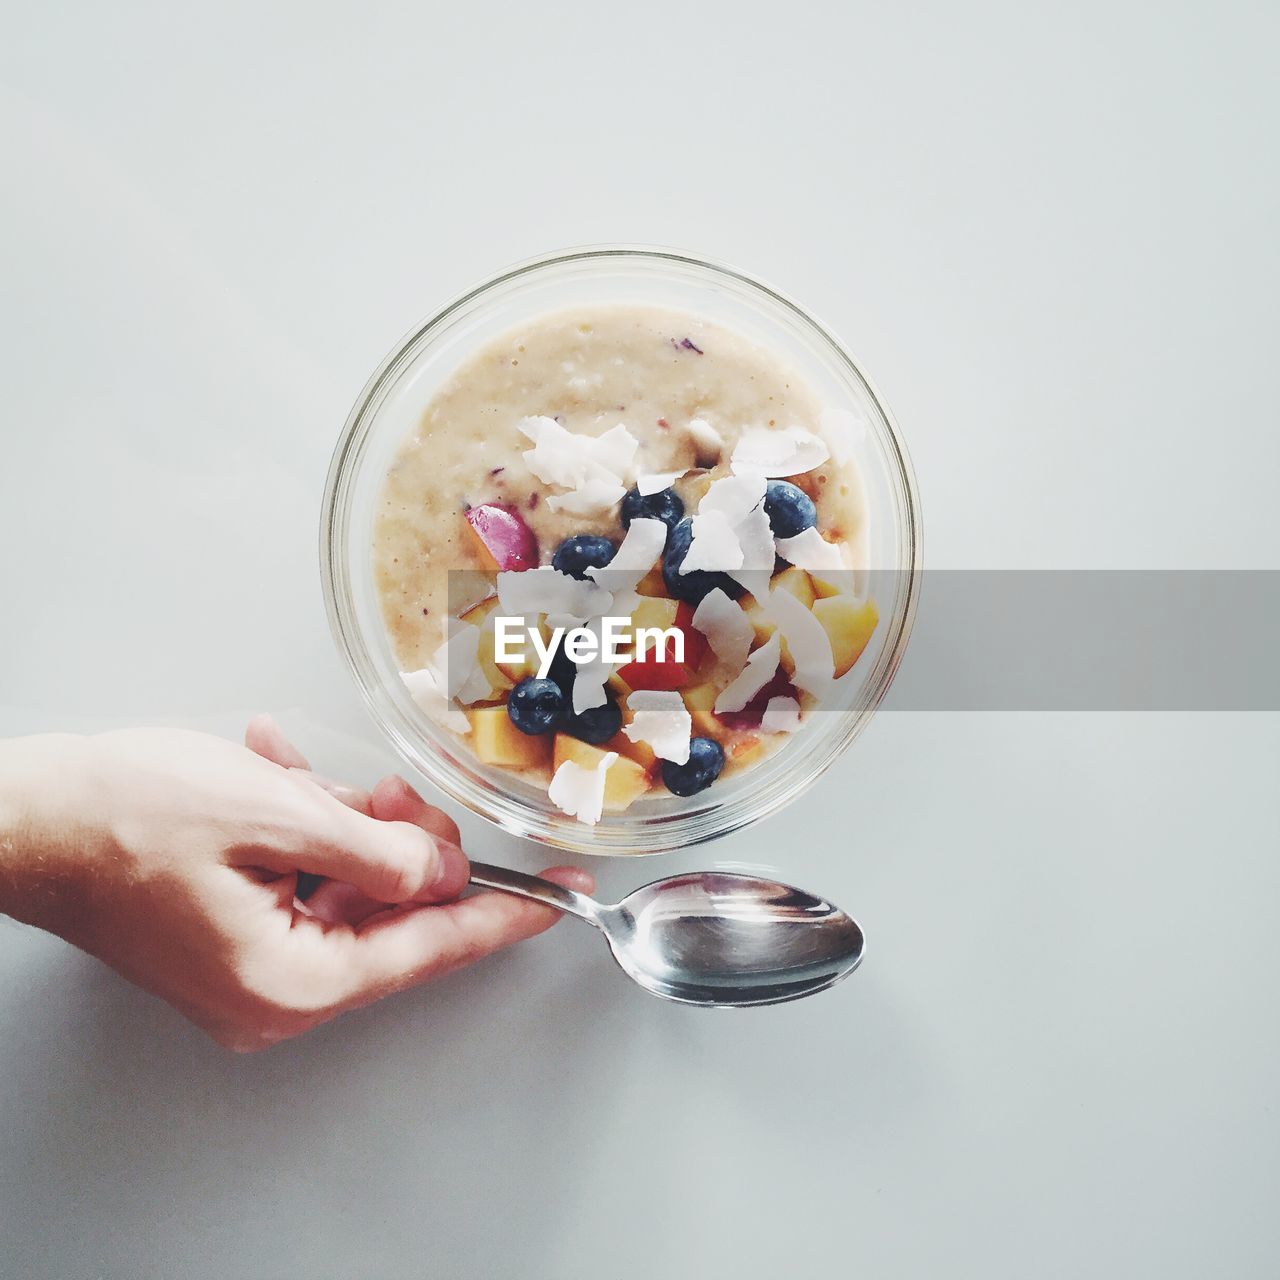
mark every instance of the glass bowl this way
{"type": "Point", "coordinates": [390, 407]}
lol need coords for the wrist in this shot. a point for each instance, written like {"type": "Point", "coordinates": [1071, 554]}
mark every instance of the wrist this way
{"type": "Point", "coordinates": [44, 842]}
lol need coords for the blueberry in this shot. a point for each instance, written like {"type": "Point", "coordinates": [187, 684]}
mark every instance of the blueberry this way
{"type": "Point", "coordinates": [596, 724]}
{"type": "Point", "coordinates": [563, 669]}
{"type": "Point", "coordinates": [691, 586]}
{"type": "Point", "coordinates": [536, 706]}
{"type": "Point", "coordinates": [706, 759]}
{"type": "Point", "coordinates": [583, 551]}
{"type": "Point", "coordinates": [790, 510]}
{"type": "Point", "coordinates": [665, 506]}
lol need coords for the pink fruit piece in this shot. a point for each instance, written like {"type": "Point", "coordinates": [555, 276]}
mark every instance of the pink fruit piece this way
{"type": "Point", "coordinates": [503, 537]}
{"type": "Point", "coordinates": [751, 715]}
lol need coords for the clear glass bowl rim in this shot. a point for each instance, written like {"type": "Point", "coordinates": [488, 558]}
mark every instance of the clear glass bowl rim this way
{"type": "Point", "coordinates": [643, 834]}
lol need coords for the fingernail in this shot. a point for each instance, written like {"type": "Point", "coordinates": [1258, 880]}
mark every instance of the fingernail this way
{"type": "Point", "coordinates": [454, 870]}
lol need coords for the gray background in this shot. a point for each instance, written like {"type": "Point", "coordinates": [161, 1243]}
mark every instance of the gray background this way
{"type": "Point", "coordinates": [1048, 232]}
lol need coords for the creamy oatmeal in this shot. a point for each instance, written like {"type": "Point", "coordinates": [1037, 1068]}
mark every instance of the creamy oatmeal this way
{"type": "Point", "coordinates": [672, 395]}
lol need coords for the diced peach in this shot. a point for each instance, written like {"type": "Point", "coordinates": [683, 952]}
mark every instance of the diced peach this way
{"type": "Point", "coordinates": [797, 582]}
{"type": "Point", "coordinates": [849, 625]}
{"type": "Point", "coordinates": [656, 668]}
{"type": "Point", "coordinates": [833, 584]}
{"type": "Point", "coordinates": [755, 615]}
{"type": "Point", "coordinates": [656, 612]}
{"type": "Point", "coordinates": [640, 752]}
{"type": "Point", "coordinates": [746, 749]}
{"type": "Point", "coordinates": [625, 781]}
{"type": "Point", "coordinates": [485, 655]}
{"type": "Point", "coordinates": [527, 664]}
{"type": "Point", "coordinates": [700, 699]}
{"type": "Point", "coordinates": [652, 584]}
{"type": "Point", "coordinates": [504, 540]}
{"type": "Point", "coordinates": [478, 612]}
{"type": "Point", "coordinates": [496, 740]}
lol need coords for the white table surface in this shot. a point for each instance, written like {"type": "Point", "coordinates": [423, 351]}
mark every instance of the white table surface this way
{"type": "Point", "coordinates": [1049, 234]}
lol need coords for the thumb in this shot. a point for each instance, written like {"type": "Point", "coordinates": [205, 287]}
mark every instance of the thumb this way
{"type": "Point", "coordinates": [389, 862]}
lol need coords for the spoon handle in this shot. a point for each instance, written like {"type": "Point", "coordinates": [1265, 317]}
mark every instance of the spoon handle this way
{"type": "Point", "coordinates": [506, 880]}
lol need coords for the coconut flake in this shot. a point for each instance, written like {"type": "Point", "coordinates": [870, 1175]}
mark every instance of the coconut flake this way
{"type": "Point", "coordinates": [755, 537]}
{"type": "Point", "coordinates": [784, 452]}
{"type": "Point", "coordinates": [845, 431]}
{"type": "Point", "coordinates": [661, 719]}
{"type": "Point", "coordinates": [635, 556]}
{"type": "Point", "coordinates": [593, 497]}
{"type": "Point", "coordinates": [547, 590]}
{"type": "Point", "coordinates": [810, 550]}
{"type": "Point", "coordinates": [714, 545]}
{"type": "Point", "coordinates": [761, 667]}
{"type": "Point", "coordinates": [725, 624]}
{"type": "Point", "coordinates": [656, 481]}
{"type": "Point", "coordinates": [625, 603]}
{"type": "Point", "coordinates": [567, 458]}
{"type": "Point", "coordinates": [427, 692]}
{"type": "Point", "coordinates": [782, 715]}
{"type": "Point", "coordinates": [458, 659]}
{"type": "Point", "coordinates": [476, 688]}
{"type": "Point", "coordinates": [615, 451]}
{"type": "Point", "coordinates": [579, 792]}
{"type": "Point", "coordinates": [734, 497]}
{"type": "Point", "coordinates": [708, 443]}
{"type": "Point", "coordinates": [555, 457]}
{"type": "Point", "coordinates": [807, 642]}
{"type": "Point", "coordinates": [590, 677]}
{"type": "Point", "coordinates": [588, 686]}
{"type": "Point", "coordinates": [592, 468]}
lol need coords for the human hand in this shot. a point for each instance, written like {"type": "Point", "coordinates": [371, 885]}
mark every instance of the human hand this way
{"type": "Point", "coordinates": [175, 856]}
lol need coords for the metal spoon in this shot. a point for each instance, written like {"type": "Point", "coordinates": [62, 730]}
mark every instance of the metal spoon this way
{"type": "Point", "coordinates": [710, 937]}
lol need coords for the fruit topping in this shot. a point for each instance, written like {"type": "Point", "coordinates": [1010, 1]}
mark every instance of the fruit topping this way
{"type": "Point", "coordinates": [696, 584]}
{"type": "Point", "coordinates": [592, 468]}
{"type": "Point", "coordinates": [624, 778]}
{"type": "Point", "coordinates": [706, 759]}
{"type": "Point", "coordinates": [751, 716]}
{"type": "Point", "coordinates": [596, 724]}
{"type": "Point", "coordinates": [643, 545]}
{"type": "Point", "coordinates": [504, 540]}
{"type": "Point", "coordinates": [781, 715]}
{"type": "Point", "coordinates": [497, 741]}
{"type": "Point", "coordinates": [849, 625]}
{"type": "Point", "coordinates": [759, 670]}
{"type": "Point", "coordinates": [726, 626]}
{"type": "Point", "coordinates": [545, 590]}
{"type": "Point", "coordinates": [580, 791]}
{"type": "Point", "coordinates": [789, 508]}
{"type": "Point", "coordinates": [810, 550]}
{"type": "Point", "coordinates": [664, 505]}
{"type": "Point", "coordinates": [582, 551]}
{"type": "Point", "coordinates": [708, 443]}
{"type": "Point", "coordinates": [786, 451]}
{"type": "Point", "coordinates": [807, 644]}
{"type": "Point", "coordinates": [660, 666]}
{"type": "Point", "coordinates": [662, 720]}
{"type": "Point", "coordinates": [654, 482]}
{"type": "Point", "coordinates": [536, 706]}
{"type": "Point", "coordinates": [427, 692]}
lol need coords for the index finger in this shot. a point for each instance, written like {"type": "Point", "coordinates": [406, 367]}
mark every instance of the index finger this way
{"type": "Point", "coordinates": [401, 948]}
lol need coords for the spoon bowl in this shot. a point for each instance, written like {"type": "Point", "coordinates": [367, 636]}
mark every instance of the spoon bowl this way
{"type": "Point", "coordinates": [711, 938]}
